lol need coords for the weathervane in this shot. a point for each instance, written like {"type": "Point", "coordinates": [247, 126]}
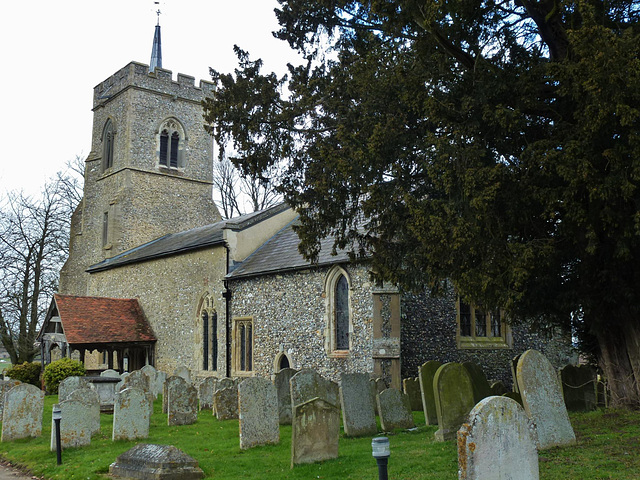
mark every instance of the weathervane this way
{"type": "Point", "coordinates": [158, 12]}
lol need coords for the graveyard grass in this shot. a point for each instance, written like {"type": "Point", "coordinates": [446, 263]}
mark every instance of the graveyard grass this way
{"type": "Point", "coordinates": [608, 448]}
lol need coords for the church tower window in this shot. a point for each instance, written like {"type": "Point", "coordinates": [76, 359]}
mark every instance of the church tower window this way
{"type": "Point", "coordinates": [171, 139]}
{"type": "Point", "coordinates": [107, 145]}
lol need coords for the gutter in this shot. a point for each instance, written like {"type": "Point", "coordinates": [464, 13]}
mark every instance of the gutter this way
{"type": "Point", "coordinates": [227, 305]}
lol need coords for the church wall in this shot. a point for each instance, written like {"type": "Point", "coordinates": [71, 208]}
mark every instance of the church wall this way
{"type": "Point", "coordinates": [169, 291]}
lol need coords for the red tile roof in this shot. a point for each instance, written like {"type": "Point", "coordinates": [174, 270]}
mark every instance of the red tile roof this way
{"type": "Point", "coordinates": [102, 320]}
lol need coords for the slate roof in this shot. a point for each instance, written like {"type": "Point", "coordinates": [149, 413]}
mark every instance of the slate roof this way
{"type": "Point", "coordinates": [90, 320]}
{"type": "Point", "coordinates": [280, 253]}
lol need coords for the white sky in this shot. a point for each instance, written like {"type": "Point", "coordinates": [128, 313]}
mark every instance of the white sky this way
{"type": "Point", "coordinates": [53, 53]}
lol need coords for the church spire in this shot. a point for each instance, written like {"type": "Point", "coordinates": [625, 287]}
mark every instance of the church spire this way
{"type": "Point", "coordinates": [156, 51]}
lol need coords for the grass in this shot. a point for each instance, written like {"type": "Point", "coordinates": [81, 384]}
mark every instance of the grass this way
{"type": "Point", "coordinates": [608, 448]}
{"type": "Point", "coordinates": [4, 364]}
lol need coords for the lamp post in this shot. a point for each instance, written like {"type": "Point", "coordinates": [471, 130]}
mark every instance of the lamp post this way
{"type": "Point", "coordinates": [381, 452]}
{"type": "Point", "coordinates": [57, 416]}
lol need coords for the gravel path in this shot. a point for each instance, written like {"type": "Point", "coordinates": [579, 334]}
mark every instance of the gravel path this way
{"type": "Point", "coordinates": [8, 472]}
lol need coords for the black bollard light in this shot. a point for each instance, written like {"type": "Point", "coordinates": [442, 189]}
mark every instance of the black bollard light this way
{"type": "Point", "coordinates": [381, 452]}
{"type": "Point", "coordinates": [57, 416]}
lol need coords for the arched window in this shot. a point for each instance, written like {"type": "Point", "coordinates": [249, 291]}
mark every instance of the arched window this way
{"type": "Point", "coordinates": [209, 326]}
{"type": "Point", "coordinates": [341, 299]}
{"type": "Point", "coordinates": [107, 145]}
{"type": "Point", "coordinates": [171, 139]}
{"type": "Point", "coordinates": [338, 312]}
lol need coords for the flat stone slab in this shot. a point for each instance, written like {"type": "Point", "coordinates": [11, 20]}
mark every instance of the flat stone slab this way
{"type": "Point", "coordinates": [148, 462]}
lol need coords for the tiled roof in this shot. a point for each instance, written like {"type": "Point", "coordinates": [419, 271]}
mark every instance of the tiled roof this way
{"type": "Point", "coordinates": [280, 253]}
{"type": "Point", "coordinates": [102, 320]}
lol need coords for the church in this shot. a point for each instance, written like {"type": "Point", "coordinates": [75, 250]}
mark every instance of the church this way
{"type": "Point", "coordinates": [156, 276]}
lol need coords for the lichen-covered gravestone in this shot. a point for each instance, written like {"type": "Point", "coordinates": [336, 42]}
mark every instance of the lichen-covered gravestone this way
{"type": "Point", "coordinates": [426, 372]}
{"type": "Point", "coordinates": [454, 399]}
{"type": "Point", "coordinates": [5, 386]}
{"type": "Point", "coordinates": [579, 387]}
{"type": "Point", "coordinates": [378, 385]}
{"type": "Point", "coordinates": [395, 410]}
{"type": "Point", "coordinates": [258, 413]}
{"type": "Point", "coordinates": [225, 403]}
{"type": "Point", "coordinates": [358, 412]}
{"type": "Point", "coordinates": [91, 399]}
{"type": "Point", "coordinates": [205, 393]}
{"type": "Point", "coordinates": [316, 418]}
{"type": "Point", "coordinates": [411, 388]}
{"type": "Point", "coordinates": [151, 372]}
{"type": "Point", "coordinates": [70, 384]}
{"type": "Point", "coordinates": [542, 400]}
{"type": "Point", "coordinates": [481, 387]}
{"type": "Point", "coordinates": [173, 382]}
{"type": "Point", "coordinates": [498, 441]}
{"type": "Point", "coordinates": [110, 373]}
{"type": "Point", "coordinates": [155, 462]}
{"type": "Point", "coordinates": [183, 372]}
{"type": "Point", "coordinates": [22, 416]}
{"type": "Point", "coordinates": [130, 415]}
{"type": "Point", "coordinates": [77, 423]}
{"type": "Point", "coordinates": [140, 380]}
{"type": "Point", "coordinates": [284, 394]}
{"type": "Point", "coordinates": [182, 408]}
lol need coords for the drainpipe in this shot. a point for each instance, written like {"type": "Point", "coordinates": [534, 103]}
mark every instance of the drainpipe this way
{"type": "Point", "coordinates": [227, 305]}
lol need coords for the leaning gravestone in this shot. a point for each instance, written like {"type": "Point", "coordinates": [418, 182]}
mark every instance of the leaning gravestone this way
{"type": "Point", "coordinates": [542, 400]}
{"type": "Point", "coordinates": [411, 388]}
{"type": "Point", "coordinates": [5, 386]}
{"type": "Point", "coordinates": [225, 403]}
{"type": "Point", "coordinates": [498, 441]}
{"type": "Point", "coordinates": [454, 399]}
{"type": "Point", "coordinates": [258, 413]}
{"type": "Point", "coordinates": [358, 412]}
{"type": "Point", "coordinates": [182, 408]}
{"type": "Point", "coordinates": [205, 393]}
{"type": "Point", "coordinates": [426, 372]}
{"type": "Point", "coordinates": [395, 410]}
{"type": "Point", "coordinates": [22, 417]}
{"type": "Point", "coordinates": [579, 387]}
{"type": "Point", "coordinates": [155, 462]}
{"type": "Point", "coordinates": [316, 418]}
{"type": "Point", "coordinates": [70, 384]}
{"type": "Point", "coordinates": [377, 385]}
{"type": "Point", "coordinates": [481, 387]}
{"type": "Point", "coordinates": [130, 415]}
{"type": "Point", "coordinates": [183, 372]}
{"type": "Point", "coordinates": [91, 400]}
{"type": "Point", "coordinates": [284, 394]}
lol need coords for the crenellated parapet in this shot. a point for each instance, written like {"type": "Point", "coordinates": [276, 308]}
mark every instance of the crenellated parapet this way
{"type": "Point", "coordinates": [137, 75]}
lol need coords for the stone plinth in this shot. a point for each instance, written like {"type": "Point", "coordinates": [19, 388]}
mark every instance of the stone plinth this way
{"type": "Point", "coordinates": [156, 462]}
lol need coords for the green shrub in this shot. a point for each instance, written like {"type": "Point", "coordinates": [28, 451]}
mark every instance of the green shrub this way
{"type": "Point", "coordinates": [57, 371]}
{"type": "Point", "coordinates": [26, 373]}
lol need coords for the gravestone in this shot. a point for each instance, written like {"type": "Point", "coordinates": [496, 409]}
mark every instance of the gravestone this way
{"type": "Point", "coordinates": [395, 410]}
{"type": "Point", "coordinates": [130, 415]}
{"type": "Point", "coordinates": [172, 383]}
{"type": "Point", "coordinates": [158, 386]}
{"type": "Point", "coordinates": [515, 396]}
{"type": "Point", "coordinates": [183, 372]}
{"type": "Point", "coordinates": [454, 399]}
{"type": "Point", "coordinates": [156, 462]}
{"type": "Point", "coordinates": [225, 403]}
{"type": "Point", "coordinates": [514, 373]}
{"type": "Point", "coordinates": [5, 386]}
{"type": "Point", "coordinates": [579, 387]}
{"type": "Point", "coordinates": [123, 377]}
{"type": "Point", "coordinates": [426, 372]}
{"type": "Point", "coordinates": [22, 416]}
{"type": "Point", "coordinates": [140, 380]}
{"type": "Point", "coordinates": [498, 441]}
{"type": "Point", "coordinates": [498, 388]}
{"type": "Point", "coordinates": [284, 394]}
{"type": "Point", "coordinates": [358, 412]}
{"type": "Point", "coordinates": [151, 372]}
{"type": "Point", "coordinates": [481, 387]}
{"type": "Point", "coordinates": [542, 400]}
{"type": "Point", "coordinates": [182, 408]}
{"type": "Point", "coordinates": [205, 393]}
{"type": "Point", "coordinates": [70, 384]}
{"type": "Point", "coordinates": [76, 425]}
{"type": "Point", "coordinates": [411, 388]}
{"type": "Point", "coordinates": [258, 413]}
{"type": "Point", "coordinates": [316, 418]}
{"type": "Point", "coordinates": [225, 383]}
{"type": "Point", "coordinates": [91, 400]}
{"type": "Point", "coordinates": [110, 373]}
{"type": "Point", "coordinates": [377, 386]}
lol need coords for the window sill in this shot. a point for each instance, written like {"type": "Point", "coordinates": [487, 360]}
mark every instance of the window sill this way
{"type": "Point", "coordinates": [339, 354]}
{"type": "Point", "coordinates": [479, 343]}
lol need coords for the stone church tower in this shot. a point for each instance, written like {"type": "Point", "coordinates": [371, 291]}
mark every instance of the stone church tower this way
{"type": "Point", "coordinates": [150, 169]}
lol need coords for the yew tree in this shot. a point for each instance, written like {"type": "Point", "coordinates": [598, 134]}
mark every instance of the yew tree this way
{"type": "Point", "coordinates": [491, 144]}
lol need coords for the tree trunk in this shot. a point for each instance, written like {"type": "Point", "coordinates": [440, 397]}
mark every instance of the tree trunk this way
{"type": "Point", "coordinates": [618, 354]}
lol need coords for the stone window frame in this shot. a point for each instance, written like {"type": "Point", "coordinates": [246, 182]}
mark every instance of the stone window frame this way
{"type": "Point", "coordinates": [106, 230]}
{"type": "Point", "coordinates": [243, 365]}
{"type": "Point", "coordinates": [278, 360]}
{"type": "Point", "coordinates": [207, 305]}
{"type": "Point", "coordinates": [108, 143]}
{"type": "Point", "coordinates": [329, 294]}
{"type": "Point", "coordinates": [171, 126]}
{"type": "Point", "coordinates": [476, 339]}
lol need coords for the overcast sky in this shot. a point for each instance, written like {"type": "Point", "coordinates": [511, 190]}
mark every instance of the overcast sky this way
{"type": "Point", "coordinates": [54, 52]}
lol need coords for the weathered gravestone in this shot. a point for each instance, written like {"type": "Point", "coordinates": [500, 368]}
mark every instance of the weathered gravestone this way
{"type": "Point", "coordinates": [258, 413]}
{"type": "Point", "coordinates": [358, 412]}
{"type": "Point", "coordinates": [110, 373]}
{"type": "Point", "coordinates": [170, 384]}
{"type": "Point", "coordinates": [284, 394]}
{"type": "Point", "coordinates": [123, 377]}
{"type": "Point", "coordinates": [316, 418]}
{"type": "Point", "coordinates": [151, 372]}
{"type": "Point", "coordinates": [498, 388]}
{"type": "Point", "coordinates": [454, 399]}
{"type": "Point", "coordinates": [182, 407]}
{"type": "Point", "coordinates": [498, 441]}
{"type": "Point", "coordinates": [156, 462]}
{"type": "Point", "coordinates": [183, 372]}
{"type": "Point", "coordinates": [579, 387]}
{"type": "Point", "coordinates": [140, 380]}
{"type": "Point", "coordinates": [205, 393]}
{"type": "Point", "coordinates": [158, 386]}
{"type": "Point", "coordinates": [395, 410]}
{"type": "Point", "coordinates": [411, 388]}
{"type": "Point", "coordinates": [22, 417]}
{"type": "Point", "coordinates": [91, 400]}
{"type": "Point", "coordinates": [542, 400]}
{"type": "Point", "coordinates": [426, 372]}
{"type": "Point", "coordinates": [515, 396]}
{"type": "Point", "coordinates": [378, 385]}
{"type": "Point", "coordinates": [130, 415]}
{"type": "Point", "coordinates": [77, 423]}
{"type": "Point", "coordinates": [70, 384]}
{"type": "Point", "coordinates": [225, 403]}
{"type": "Point", "coordinates": [481, 387]}
{"type": "Point", "coordinates": [5, 386]}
